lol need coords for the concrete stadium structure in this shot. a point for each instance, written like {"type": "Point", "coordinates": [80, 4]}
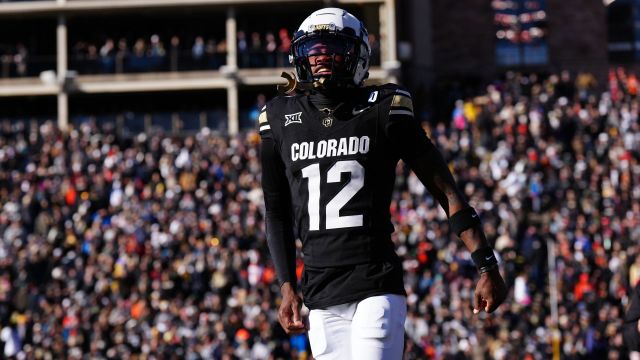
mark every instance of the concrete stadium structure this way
{"type": "Point", "coordinates": [228, 78]}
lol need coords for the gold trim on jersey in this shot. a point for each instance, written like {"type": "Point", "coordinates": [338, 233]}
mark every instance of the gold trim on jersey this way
{"type": "Point", "coordinates": [262, 121]}
{"type": "Point", "coordinates": [401, 112]}
{"type": "Point", "coordinates": [263, 117]}
{"type": "Point", "coordinates": [402, 101]}
{"type": "Point", "coordinates": [401, 104]}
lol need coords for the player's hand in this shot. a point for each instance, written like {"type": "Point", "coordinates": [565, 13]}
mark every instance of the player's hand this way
{"type": "Point", "coordinates": [490, 291]}
{"type": "Point", "coordinates": [289, 313]}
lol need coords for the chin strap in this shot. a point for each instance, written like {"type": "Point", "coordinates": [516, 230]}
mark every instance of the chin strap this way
{"type": "Point", "coordinates": [331, 85]}
{"type": "Point", "coordinates": [292, 85]}
{"type": "Point", "coordinates": [322, 84]}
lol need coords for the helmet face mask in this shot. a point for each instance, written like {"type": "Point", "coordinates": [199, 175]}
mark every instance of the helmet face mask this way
{"type": "Point", "coordinates": [325, 56]}
{"type": "Point", "coordinates": [331, 49]}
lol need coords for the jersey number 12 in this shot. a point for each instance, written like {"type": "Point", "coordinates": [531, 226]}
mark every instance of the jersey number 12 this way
{"type": "Point", "coordinates": [333, 218]}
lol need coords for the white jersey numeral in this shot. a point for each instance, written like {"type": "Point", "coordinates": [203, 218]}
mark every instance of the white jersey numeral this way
{"type": "Point", "coordinates": [312, 172]}
{"type": "Point", "coordinates": [334, 220]}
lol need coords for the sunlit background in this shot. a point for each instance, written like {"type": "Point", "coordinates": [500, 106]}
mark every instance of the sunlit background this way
{"type": "Point", "coordinates": [131, 213]}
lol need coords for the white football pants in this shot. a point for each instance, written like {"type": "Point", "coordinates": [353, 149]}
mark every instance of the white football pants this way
{"type": "Point", "coordinates": [370, 329]}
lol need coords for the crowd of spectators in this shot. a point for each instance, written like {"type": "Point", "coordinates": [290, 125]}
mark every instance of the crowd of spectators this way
{"type": "Point", "coordinates": [130, 55]}
{"type": "Point", "coordinates": [153, 247]}
{"type": "Point", "coordinates": [145, 55]}
{"type": "Point", "coordinates": [257, 50]}
{"type": "Point", "coordinates": [13, 60]}
{"type": "Point", "coordinates": [551, 165]}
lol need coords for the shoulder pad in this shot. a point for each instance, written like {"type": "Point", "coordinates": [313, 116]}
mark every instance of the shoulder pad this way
{"type": "Point", "coordinates": [274, 110]}
{"type": "Point", "coordinates": [391, 89]}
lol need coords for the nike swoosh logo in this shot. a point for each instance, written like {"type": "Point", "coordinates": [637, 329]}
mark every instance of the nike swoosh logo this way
{"type": "Point", "coordinates": [356, 112]}
{"type": "Point", "coordinates": [474, 216]}
{"type": "Point", "coordinates": [489, 258]}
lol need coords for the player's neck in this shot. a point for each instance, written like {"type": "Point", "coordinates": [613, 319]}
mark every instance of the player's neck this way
{"type": "Point", "coordinates": [322, 99]}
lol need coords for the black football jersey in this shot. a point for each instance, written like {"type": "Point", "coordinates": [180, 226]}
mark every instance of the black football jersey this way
{"type": "Point", "coordinates": [340, 166]}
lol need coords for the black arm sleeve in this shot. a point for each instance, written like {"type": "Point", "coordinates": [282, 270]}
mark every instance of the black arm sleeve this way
{"type": "Point", "coordinates": [630, 333]}
{"type": "Point", "coordinates": [278, 213]}
{"type": "Point", "coordinates": [411, 144]}
{"type": "Point", "coordinates": [633, 311]}
{"type": "Point", "coordinates": [408, 139]}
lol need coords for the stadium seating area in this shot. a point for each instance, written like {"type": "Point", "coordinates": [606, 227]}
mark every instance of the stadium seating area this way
{"type": "Point", "coordinates": [157, 52]}
{"type": "Point", "coordinates": [154, 246]}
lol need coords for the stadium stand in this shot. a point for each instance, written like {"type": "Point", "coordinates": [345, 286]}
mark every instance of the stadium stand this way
{"type": "Point", "coordinates": [137, 232]}
{"type": "Point", "coordinates": [154, 244]}
{"type": "Point", "coordinates": [138, 46]}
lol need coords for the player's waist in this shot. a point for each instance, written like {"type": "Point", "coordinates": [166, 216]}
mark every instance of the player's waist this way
{"type": "Point", "coordinates": [343, 250]}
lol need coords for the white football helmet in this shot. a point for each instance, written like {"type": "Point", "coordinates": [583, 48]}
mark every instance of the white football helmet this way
{"type": "Point", "coordinates": [340, 34]}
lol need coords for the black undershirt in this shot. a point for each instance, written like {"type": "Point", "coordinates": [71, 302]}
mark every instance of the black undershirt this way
{"type": "Point", "coordinates": [321, 100]}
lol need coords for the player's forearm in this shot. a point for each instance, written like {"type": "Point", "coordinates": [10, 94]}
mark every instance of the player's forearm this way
{"type": "Point", "coordinates": [453, 201]}
{"type": "Point", "coordinates": [474, 238]}
{"type": "Point", "coordinates": [279, 224]}
{"type": "Point", "coordinates": [281, 244]}
{"type": "Point", "coordinates": [280, 238]}
{"type": "Point", "coordinates": [433, 171]}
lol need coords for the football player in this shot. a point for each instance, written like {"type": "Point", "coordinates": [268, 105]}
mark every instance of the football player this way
{"type": "Point", "coordinates": [328, 160]}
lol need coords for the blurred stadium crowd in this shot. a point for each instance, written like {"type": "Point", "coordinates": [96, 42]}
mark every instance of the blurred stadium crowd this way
{"type": "Point", "coordinates": [14, 60]}
{"type": "Point", "coordinates": [153, 247]}
{"type": "Point", "coordinates": [158, 53]}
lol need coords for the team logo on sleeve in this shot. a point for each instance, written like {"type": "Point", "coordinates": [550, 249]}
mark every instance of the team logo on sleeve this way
{"type": "Point", "coordinates": [293, 118]}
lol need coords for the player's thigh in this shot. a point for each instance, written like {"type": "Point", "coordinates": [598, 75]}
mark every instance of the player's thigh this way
{"type": "Point", "coordinates": [377, 331]}
{"type": "Point", "coordinates": [329, 335]}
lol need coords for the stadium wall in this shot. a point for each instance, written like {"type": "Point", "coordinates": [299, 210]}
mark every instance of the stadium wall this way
{"type": "Point", "coordinates": [462, 38]}
{"type": "Point", "coordinates": [68, 83]}
{"type": "Point", "coordinates": [578, 39]}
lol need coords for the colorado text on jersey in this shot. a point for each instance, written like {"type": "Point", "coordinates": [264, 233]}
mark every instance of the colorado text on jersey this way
{"type": "Point", "coordinates": [329, 148]}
